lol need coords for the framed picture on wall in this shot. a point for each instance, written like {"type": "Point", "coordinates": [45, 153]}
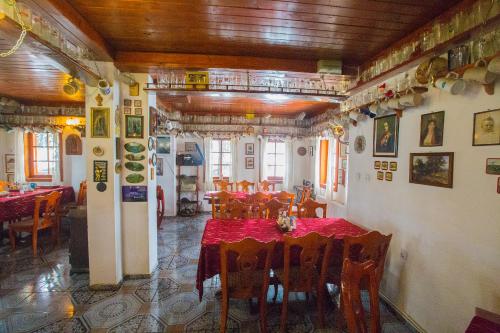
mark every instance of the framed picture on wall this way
{"type": "Point", "coordinates": [498, 184]}
{"type": "Point", "coordinates": [435, 169]}
{"type": "Point", "coordinates": [153, 121]}
{"type": "Point", "coordinates": [249, 149]}
{"type": "Point", "coordinates": [134, 127]}
{"type": "Point", "coordinates": [376, 165]}
{"type": "Point", "coordinates": [249, 163]}
{"type": "Point", "coordinates": [159, 166]}
{"type": "Point", "coordinates": [10, 163]}
{"type": "Point", "coordinates": [493, 166]}
{"type": "Point", "coordinates": [163, 145]}
{"type": "Point", "coordinates": [99, 118]}
{"type": "Point", "coordinates": [486, 128]}
{"type": "Point", "coordinates": [431, 129]}
{"type": "Point", "coordinates": [385, 136]}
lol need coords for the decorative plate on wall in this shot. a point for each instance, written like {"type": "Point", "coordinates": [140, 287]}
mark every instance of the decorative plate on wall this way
{"type": "Point", "coordinates": [302, 151]}
{"type": "Point", "coordinates": [359, 144]}
{"type": "Point", "coordinates": [98, 151]}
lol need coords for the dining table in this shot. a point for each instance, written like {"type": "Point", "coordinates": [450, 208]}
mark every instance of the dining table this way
{"type": "Point", "coordinates": [266, 230]}
{"type": "Point", "coordinates": [238, 195]}
{"type": "Point", "coordinates": [18, 205]}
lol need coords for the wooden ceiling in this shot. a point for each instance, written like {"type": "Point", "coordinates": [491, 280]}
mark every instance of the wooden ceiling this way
{"type": "Point", "coordinates": [353, 30]}
{"type": "Point", "coordinates": [218, 104]}
{"type": "Point", "coordinates": [27, 79]}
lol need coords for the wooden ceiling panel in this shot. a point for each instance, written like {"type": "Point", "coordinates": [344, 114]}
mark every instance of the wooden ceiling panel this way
{"type": "Point", "coordinates": [214, 105]}
{"type": "Point", "coordinates": [353, 30]}
{"type": "Point", "coordinates": [24, 78]}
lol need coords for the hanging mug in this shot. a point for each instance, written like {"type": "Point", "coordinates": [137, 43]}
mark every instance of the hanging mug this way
{"type": "Point", "coordinates": [451, 83]}
{"type": "Point", "coordinates": [394, 103]}
{"type": "Point", "coordinates": [411, 98]}
{"type": "Point", "coordinates": [104, 87]}
{"type": "Point", "coordinates": [384, 105]}
{"type": "Point", "coordinates": [479, 73]}
{"type": "Point", "coordinates": [494, 65]}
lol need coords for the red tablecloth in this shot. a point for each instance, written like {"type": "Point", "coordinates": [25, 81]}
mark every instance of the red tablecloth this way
{"type": "Point", "coordinates": [264, 230]}
{"type": "Point", "coordinates": [22, 205]}
{"type": "Point", "coordinates": [482, 325]}
{"type": "Point", "coordinates": [239, 195]}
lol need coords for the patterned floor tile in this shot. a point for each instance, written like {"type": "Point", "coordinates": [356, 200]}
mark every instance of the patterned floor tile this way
{"type": "Point", "coordinates": [209, 322]}
{"type": "Point", "coordinates": [28, 321]}
{"type": "Point", "coordinates": [140, 323]}
{"type": "Point", "coordinates": [72, 325]}
{"type": "Point", "coordinates": [157, 290]}
{"type": "Point", "coordinates": [112, 311]}
{"type": "Point", "coordinates": [180, 308]}
{"type": "Point", "coordinates": [83, 295]}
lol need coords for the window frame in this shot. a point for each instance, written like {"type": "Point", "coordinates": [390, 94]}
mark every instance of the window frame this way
{"type": "Point", "coordinates": [274, 176]}
{"type": "Point", "coordinates": [29, 160]}
{"type": "Point", "coordinates": [220, 164]}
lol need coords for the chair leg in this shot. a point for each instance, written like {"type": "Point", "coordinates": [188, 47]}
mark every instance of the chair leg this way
{"type": "Point", "coordinates": [34, 243]}
{"type": "Point", "coordinates": [12, 236]}
{"type": "Point", "coordinates": [263, 313]}
{"type": "Point", "coordinates": [223, 316]}
{"type": "Point", "coordinates": [284, 310]}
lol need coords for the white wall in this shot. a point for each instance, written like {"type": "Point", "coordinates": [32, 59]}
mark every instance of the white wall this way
{"type": "Point", "coordinates": [452, 236]}
{"type": "Point", "coordinates": [168, 181]}
{"type": "Point", "coordinates": [7, 146]}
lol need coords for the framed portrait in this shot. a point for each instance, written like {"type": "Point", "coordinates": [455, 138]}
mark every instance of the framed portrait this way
{"type": "Point", "coordinates": [380, 175]}
{"type": "Point", "coordinates": [486, 128]}
{"type": "Point", "coordinates": [435, 169]}
{"type": "Point", "coordinates": [385, 165]}
{"type": "Point", "coordinates": [138, 111]}
{"type": "Point", "coordinates": [190, 147]}
{"type": "Point", "coordinates": [431, 129]}
{"type": "Point", "coordinates": [493, 166]}
{"type": "Point", "coordinates": [10, 163]}
{"type": "Point", "coordinates": [249, 149]}
{"type": "Point", "coordinates": [99, 118]}
{"type": "Point", "coordinates": [249, 163]}
{"type": "Point", "coordinates": [163, 145]}
{"type": "Point", "coordinates": [137, 103]}
{"type": "Point", "coordinates": [393, 166]}
{"type": "Point", "coordinates": [134, 127]}
{"type": "Point", "coordinates": [388, 176]}
{"type": "Point", "coordinates": [386, 136]}
{"type": "Point", "coordinates": [127, 102]}
{"type": "Point", "coordinates": [127, 110]}
{"type": "Point", "coordinates": [376, 165]}
{"type": "Point", "coordinates": [159, 166]}
{"type": "Point", "coordinates": [153, 121]}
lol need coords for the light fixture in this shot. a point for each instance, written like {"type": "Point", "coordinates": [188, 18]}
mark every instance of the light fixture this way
{"type": "Point", "coordinates": [71, 87]}
{"type": "Point", "coordinates": [72, 122]}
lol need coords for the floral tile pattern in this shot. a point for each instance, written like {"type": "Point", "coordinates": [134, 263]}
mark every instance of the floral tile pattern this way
{"type": "Point", "coordinates": [40, 295]}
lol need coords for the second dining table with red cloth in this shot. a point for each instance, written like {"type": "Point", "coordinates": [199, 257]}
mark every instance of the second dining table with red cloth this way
{"type": "Point", "coordinates": [265, 230]}
{"type": "Point", "coordinates": [18, 205]}
{"type": "Point", "coordinates": [238, 195]}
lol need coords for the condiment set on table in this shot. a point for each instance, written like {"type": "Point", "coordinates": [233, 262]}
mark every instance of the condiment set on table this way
{"type": "Point", "coordinates": [286, 223]}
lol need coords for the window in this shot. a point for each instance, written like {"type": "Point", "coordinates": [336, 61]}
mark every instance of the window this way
{"type": "Point", "coordinates": [323, 163]}
{"type": "Point", "coordinates": [220, 159]}
{"type": "Point", "coordinates": [275, 160]}
{"type": "Point", "coordinates": [42, 156]}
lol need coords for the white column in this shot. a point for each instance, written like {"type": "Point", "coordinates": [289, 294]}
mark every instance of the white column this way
{"type": "Point", "coordinates": [103, 207]}
{"type": "Point", "coordinates": [139, 218]}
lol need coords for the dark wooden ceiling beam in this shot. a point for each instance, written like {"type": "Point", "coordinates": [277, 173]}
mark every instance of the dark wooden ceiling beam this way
{"type": "Point", "coordinates": [74, 23]}
{"type": "Point", "coordinates": [141, 62]}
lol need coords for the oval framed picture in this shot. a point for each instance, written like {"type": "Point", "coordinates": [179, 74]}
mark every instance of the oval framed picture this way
{"type": "Point", "coordinates": [359, 144]}
{"type": "Point", "coordinates": [302, 151]}
{"type": "Point", "coordinates": [154, 159]}
{"type": "Point", "coordinates": [151, 143]}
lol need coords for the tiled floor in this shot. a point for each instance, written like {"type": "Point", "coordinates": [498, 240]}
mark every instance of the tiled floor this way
{"type": "Point", "coordinates": [40, 295]}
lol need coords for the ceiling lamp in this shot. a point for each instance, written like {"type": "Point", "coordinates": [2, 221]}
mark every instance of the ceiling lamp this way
{"type": "Point", "coordinates": [24, 29]}
{"type": "Point", "coordinates": [71, 87]}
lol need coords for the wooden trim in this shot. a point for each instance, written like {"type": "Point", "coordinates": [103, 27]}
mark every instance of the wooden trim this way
{"type": "Point", "coordinates": [28, 161]}
{"type": "Point", "coordinates": [323, 163]}
{"type": "Point", "coordinates": [336, 173]}
{"type": "Point", "coordinates": [61, 157]}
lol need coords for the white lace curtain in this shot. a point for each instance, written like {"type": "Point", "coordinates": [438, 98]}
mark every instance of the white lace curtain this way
{"type": "Point", "coordinates": [207, 147]}
{"type": "Point", "coordinates": [19, 173]}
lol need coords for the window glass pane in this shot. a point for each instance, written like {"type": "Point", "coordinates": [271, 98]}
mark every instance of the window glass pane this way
{"type": "Point", "coordinates": [226, 171]}
{"type": "Point", "coordinates": [226, 158]}
{"type": "Point", "coordinates": [41, 154]}
{"type": "Point", "coordinates": [52, 168]}
{"type": "Point", "coordinates": [215, 146]}
{"type": "Point", "coordinates": [271, 147]}
{"type": "Point", "coordinates": [280, 171]}
{"type": "Point", "coordinates": [51, 138]}
{"type": "Point", "coordinates": [54, 154]}
{"type": "Point", "coordinates": [226, 146]}
{"type": "Point", "coordinates": [270, 159]}
{"type": "Point", "coordinates": [42, 168]}
{"type": "Point", "coordinates": [280, 148]}
{"type": "Point", "coordinates": [40, 139]}
{"type": "Point", "coordinates": [215, 171]}
{"type": "Point", "coordinates": [215, 158]}
{"type": "Point", "coordinates": [270, 170]}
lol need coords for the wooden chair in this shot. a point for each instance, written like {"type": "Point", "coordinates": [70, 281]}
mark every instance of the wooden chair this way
{"type": "Point", "coordinates": [352, 275]}
{"type": "Point", "coordinates": [284, 196]}
{"type": "Point", "coordinates": [304, 194]}
{"type": "Point", "coordinates": [4, 186]}
{"type": "Point", "coordinates": [245, 268]}
{"type": "Point", "coordinates": [160, 208]}
{"type": "Point", "coordinates": [244, 185]}
{"type": "Point", "coordinates": [237, 210]}
{"type": "Point", "coordinates": [47, 220]}
{"type": "Point", "coordinates": [82, 194]}
{"type": "Point", "coordinates": [265, 185]}
{"type": "Point", "coordinates": [220, 201]}
{"type": "Point", "coordinates": [304, 274]}
{"type": "Point", "coordinates": [272, 209]}
{"type": "Point", "coordinates": [308, 209]}
{"type": "Point", "coordinates": [223, 185]}
{"type": "Point", "coordinates": [256, 200]}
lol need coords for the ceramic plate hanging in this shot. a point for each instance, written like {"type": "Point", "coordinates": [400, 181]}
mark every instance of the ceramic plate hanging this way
{"type": "Point", "coordinates": [359, 144]}
{"type": "Point", "coordinates": [302, 151]}
{"type": "Point", "coordinates": [98, 151]}
{"type": "Point", "coordinates": [134, 166]}
{"type": "Point", "coordinates": [134, 147]}
{"type": "Point", "coordinates": [151, 143]}
{"type": "Point", "coordinates": [134, 157]}
{"type": "Point", "coordinates": [118, 167]}
{"type": "Point", "coordinates": [134, 178]}
{"type": "Point", "coordinates": [153, 159]}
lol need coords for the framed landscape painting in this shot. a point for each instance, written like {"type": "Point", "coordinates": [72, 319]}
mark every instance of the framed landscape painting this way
{"type": "Point", "coordinates": [435, 169]}
{"type": "Point", "coordinates": [386, 136]}
{"type": "Point", "coordinates": [134, 127]}
{"type": "Point", "coordinates": [493, 166]}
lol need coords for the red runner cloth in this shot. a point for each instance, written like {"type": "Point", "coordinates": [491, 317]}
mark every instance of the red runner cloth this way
{"type": "Point", "coordinates": [264, 231]}
{"type": "Point", "coordinates": [482, 325]}
{"type": "Point", "coordinates": [22, 205]}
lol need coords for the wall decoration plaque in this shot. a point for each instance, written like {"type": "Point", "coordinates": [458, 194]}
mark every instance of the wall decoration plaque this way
{"type": "Point", "coordinates": [388, 176]}
{"type": "Point", "coordinates": [98, 151]}
{"type": "Point", "coordinates": [73, 145]}
{"type": "Point", "coordinates": [435, 169]}
{"type": "Point", "coordinates": [133, 89]}
{"type": "Point", "coordinates": [393, 166]}
{"type": "Point", "coordinates": [249, 163]}
{"type": "Point", "coordinates": [127, 102]}
{"type": "Point", "coordinates": [359, 144]}
{"type": "Point", "coordinates": [302, 151]}
{"type": "Point", "coordinates": [137, 103]}
{"type": "Point", "coordinates": [138, 111]}
{"type": "Point", "coordinates": [99, 118]}
{"type": "Point", "coordinates": [151, 143]}
{"type": "Point", "coordinates": [385, 165]}
{"type": "Point", "coordinates": [134, 193]}
{"type": "Point", "coordinates": [101, 187]}
{"type": "Point", "coordinates": [249, 148]}
{"type": "Point", "coordinates": [100, 171]}
{"type": "Point", "coordinates": [380, 175]}
{"type": "Point", "coordinates": [376, 165]}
